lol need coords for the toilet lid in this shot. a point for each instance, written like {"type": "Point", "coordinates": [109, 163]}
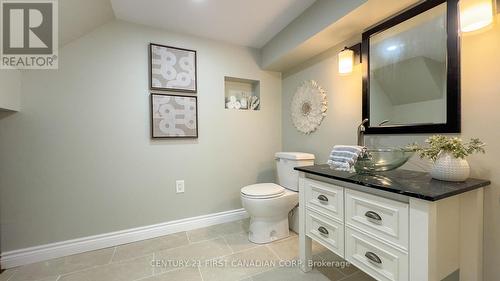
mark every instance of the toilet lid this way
{"type": "Point", "coordinates": [263, 190]}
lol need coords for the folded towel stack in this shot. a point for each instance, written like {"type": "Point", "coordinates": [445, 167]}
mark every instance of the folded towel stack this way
{"type": "Point", "coordinates": [343, 157]}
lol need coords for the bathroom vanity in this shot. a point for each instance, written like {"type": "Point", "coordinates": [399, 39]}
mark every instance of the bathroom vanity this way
{"type": "Point", "coordinates": [398, 225]}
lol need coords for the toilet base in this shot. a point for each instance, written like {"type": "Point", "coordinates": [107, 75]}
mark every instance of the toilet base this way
{"type": "Point", "coordinates": [262, 231]}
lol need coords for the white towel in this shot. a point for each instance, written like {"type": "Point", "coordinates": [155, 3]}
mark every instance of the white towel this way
{"type": "Point", "coordinates": [343, 157]}
{"type": "Point", "coordinates": [340, 166]}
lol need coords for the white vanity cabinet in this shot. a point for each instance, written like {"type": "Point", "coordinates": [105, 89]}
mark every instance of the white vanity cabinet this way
{"type": "Point", "coordinates": [377, 235]}
{"type": "Point", "coordinates": [324, 214]}
{"type": "Point", "coordinates": [377, 216]}
{"type": "Point", "coordinates": [392, 237]}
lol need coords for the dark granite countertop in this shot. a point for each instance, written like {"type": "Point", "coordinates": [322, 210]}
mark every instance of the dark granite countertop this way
{"type": "Point", "coordinates": [410, 183]}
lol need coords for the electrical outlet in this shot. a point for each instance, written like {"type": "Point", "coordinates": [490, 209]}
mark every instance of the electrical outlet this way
{"type": "Point", "coordinates": [179, 186]}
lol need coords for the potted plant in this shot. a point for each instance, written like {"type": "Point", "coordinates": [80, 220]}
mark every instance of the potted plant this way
{"type": "Point", "coordinates": [448, 155]}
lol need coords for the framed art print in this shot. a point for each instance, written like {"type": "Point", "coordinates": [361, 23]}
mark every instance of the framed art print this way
{"type": "Point", "coordinates": [172, 69]}
{"type": "Point", "coordinates": [174, 116]}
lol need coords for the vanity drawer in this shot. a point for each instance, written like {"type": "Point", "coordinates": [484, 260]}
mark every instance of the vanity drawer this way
{"type": "Point", "coordinates": [325, 198]}
{"type": "Point", "coordinates": [328, 232]}
{"type": "Point", "coordinates": [377, 259]}
{"type": "Point", "coordinates": [377, 216]}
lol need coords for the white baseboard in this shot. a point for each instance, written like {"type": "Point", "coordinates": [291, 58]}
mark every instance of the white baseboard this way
{"type": "Point", "coordinates": [70, 247]}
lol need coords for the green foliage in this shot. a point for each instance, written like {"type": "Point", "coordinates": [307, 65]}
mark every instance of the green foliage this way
{"type": "Point", "coordinates": [438, 144]}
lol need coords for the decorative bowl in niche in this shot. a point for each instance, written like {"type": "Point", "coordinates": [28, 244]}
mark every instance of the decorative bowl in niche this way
{"type": "Point", "coordinates": [382, 160]}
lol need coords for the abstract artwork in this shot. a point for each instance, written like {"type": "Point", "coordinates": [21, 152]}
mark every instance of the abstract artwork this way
{"type": "Point", "coordinates": [174, 116]}
{"type": "Point", "coordinates": [172, 69]}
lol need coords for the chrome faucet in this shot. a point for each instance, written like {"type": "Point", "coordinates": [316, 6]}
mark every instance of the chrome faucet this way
{"type": "Point", "coordinates": [361, 132]}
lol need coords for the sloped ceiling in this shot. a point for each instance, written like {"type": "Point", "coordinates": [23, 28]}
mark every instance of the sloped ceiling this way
{"type": "Point", "coordinates": [255, 23]}
{"type": "Point", "coordinates": [250, 23]}
{"type": "Point", "coordinates": [280, 55]}
{"type": "Point", "coordinates": [424, 35]}
{"type": "Point", "coordinates": [79, 17]}
{"type": "Point", "coordinates": [399, 84]}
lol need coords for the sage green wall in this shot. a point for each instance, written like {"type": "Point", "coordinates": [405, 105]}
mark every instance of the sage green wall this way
{"type": "Point", "coordinates": [10, 89]}
{"type": "Point", "coordinates": [480, 115]}
{"type": "Point", "coordinates": [343, 105]}
{"type": "Point", "coordinates": [78, 160]}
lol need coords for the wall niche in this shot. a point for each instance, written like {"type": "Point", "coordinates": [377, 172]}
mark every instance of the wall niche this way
{"type": "Point", "coordinates": [241, 94]}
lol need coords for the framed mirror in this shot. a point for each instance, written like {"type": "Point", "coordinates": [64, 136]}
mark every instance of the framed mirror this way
{"type": "Point", "coordinates": [411, 71]}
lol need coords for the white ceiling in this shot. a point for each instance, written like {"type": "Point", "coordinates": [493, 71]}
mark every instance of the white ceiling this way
{"type": "Point", "coordinates": [421, 36]}
{"type": "Point", "coordinates": [249, 23]}
{"type": "Point", "coordinates": [348, 27]}
{"type": "Point", "coordinates": [79, 17]}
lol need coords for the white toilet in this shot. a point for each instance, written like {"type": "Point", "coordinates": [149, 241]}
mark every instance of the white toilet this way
{"type": "Point", "coordinates": [268, 204]}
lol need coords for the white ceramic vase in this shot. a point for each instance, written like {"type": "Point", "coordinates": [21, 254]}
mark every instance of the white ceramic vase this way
{"type": "Point", "coordinates": [449, 168]}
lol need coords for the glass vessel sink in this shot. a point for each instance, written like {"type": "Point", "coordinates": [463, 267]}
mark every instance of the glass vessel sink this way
{"type": "Point", "coordinates": [382, 159]}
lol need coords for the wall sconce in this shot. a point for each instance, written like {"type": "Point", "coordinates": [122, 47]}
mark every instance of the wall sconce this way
{"type": "Point", "coordinates": [347, 58]}
{"type": "Point", "coordinates": [475, 14]}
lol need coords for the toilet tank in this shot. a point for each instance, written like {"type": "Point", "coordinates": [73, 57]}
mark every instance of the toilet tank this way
{"type": "Point", "coordinates": [285, 162]}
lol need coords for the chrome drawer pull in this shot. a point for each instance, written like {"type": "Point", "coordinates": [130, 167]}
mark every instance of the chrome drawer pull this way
{"type": "Point", "coordinates": [373, 257]}
{"type": "Point", "coordinates": [323, 199]}
{"type": "Point", "coordinates": [323, 230]}
{"type": "Point", "coordinates": [372, 215]}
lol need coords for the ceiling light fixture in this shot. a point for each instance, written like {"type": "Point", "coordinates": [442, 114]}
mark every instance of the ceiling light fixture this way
{"type": "Point", "coordinates": [475, 14]}
{"type": "Point", "coordinates": [392, 48]}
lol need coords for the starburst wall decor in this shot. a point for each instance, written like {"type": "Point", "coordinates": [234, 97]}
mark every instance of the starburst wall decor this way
{"type": "Point", "coordinates": [308, 107]}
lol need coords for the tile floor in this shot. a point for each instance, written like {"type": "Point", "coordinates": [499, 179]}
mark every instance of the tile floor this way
{"type": "Point", "coordinates": [216, 253]}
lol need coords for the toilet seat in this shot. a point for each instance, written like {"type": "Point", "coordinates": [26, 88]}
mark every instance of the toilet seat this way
{"type": "Point", "coordinates": [262, 191]}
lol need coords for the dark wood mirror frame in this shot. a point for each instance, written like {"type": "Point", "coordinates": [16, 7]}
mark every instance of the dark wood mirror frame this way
{"type": "Point", "coordinates": [453, 101]}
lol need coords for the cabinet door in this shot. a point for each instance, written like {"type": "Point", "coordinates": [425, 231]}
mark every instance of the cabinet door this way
{"type": "Point", "coordinates": [327, 199]}
{"type": "Point", "coordinates": [375, 258]}
{"type": "Point", "coordinates": [329, 233]}
{"type": "Point", "coordinates": [382, 218]}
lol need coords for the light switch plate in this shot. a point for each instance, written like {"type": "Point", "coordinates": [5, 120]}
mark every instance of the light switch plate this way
{"type": "Point", "coordinates": [179, 186]}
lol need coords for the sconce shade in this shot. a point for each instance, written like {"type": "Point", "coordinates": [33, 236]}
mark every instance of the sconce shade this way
{"type": "Point", "coordinates": [475, 14]}
{"type": "Point", "coordinates": [346, 61]}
